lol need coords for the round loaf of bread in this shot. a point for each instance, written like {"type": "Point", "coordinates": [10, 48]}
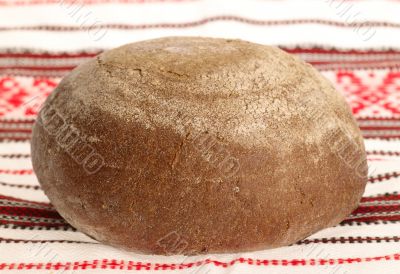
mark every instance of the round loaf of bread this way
{"type": "Point", "coordinates": [187, 145]}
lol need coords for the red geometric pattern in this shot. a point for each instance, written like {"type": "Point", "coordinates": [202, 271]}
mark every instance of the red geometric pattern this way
{"type": "Point", "coordinates": [391, 85]}
{"type": "Point", "coordinates": [370, 93]}
{"type": "Point", "coordinates": [21, 97]}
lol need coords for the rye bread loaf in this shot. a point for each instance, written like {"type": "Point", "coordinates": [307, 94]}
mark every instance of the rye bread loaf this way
{"type": "Point", "coordinates": [188, 145]}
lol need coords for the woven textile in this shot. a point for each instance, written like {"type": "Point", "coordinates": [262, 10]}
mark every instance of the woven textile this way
{"type": "Point", "coordinates": [355, 44]}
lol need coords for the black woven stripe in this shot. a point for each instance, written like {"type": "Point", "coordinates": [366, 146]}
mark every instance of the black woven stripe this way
{"type": "Point", "coordinates": [350, 240]}
{"type": "Point", "coordinates": [20, 186]}
{"type": "Point", "coordinates": [14, 140]}
{"type": "Point", "coordinates": [7, 240]}
{"type": "Point", "coordinates": [63, 228]}
{"type": "Point", "coordinates": [15, 156]}
{"type": "Point", "coordinates": [384, 177]}
{"type": "Point", "coordinates": [383, 153]}
{"type": "Point", "coordinates": [357, 223]}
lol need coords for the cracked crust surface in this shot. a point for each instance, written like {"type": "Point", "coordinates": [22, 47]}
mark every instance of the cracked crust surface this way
{"type": "Point", "coordinates": [166, 114]}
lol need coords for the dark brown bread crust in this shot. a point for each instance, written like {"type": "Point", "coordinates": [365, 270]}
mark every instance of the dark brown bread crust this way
{"type": "Point", "coordinates": [202, 145]}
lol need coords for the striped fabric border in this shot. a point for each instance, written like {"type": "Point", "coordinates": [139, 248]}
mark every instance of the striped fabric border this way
{"type": "Point", "coordinates": [138, 265]}
{"type": "Point", "coordinates": [37, 51]}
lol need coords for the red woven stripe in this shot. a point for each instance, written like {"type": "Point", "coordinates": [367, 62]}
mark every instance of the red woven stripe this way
{"type": "Point", "coordinates": [395, 218]}
{"type": "Point", "coordinates": [382, 127]}
{"type": "Point", "coordinates": [31, 212]}
{"type": "Point", "coordinates": [388, 197]}
{"type": "Point", "coordinates": [11, 130]}
{"type": "Point", "coordinates": [44, 68]}
{"type": "Point", "coordinates": [9, 198]}
{"type": "Point", "coordinates": [137, 265]}
{"type": "Point", "coordinates": [16, 171]}
{"type": "Point", "coordinates": [376, 209]}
